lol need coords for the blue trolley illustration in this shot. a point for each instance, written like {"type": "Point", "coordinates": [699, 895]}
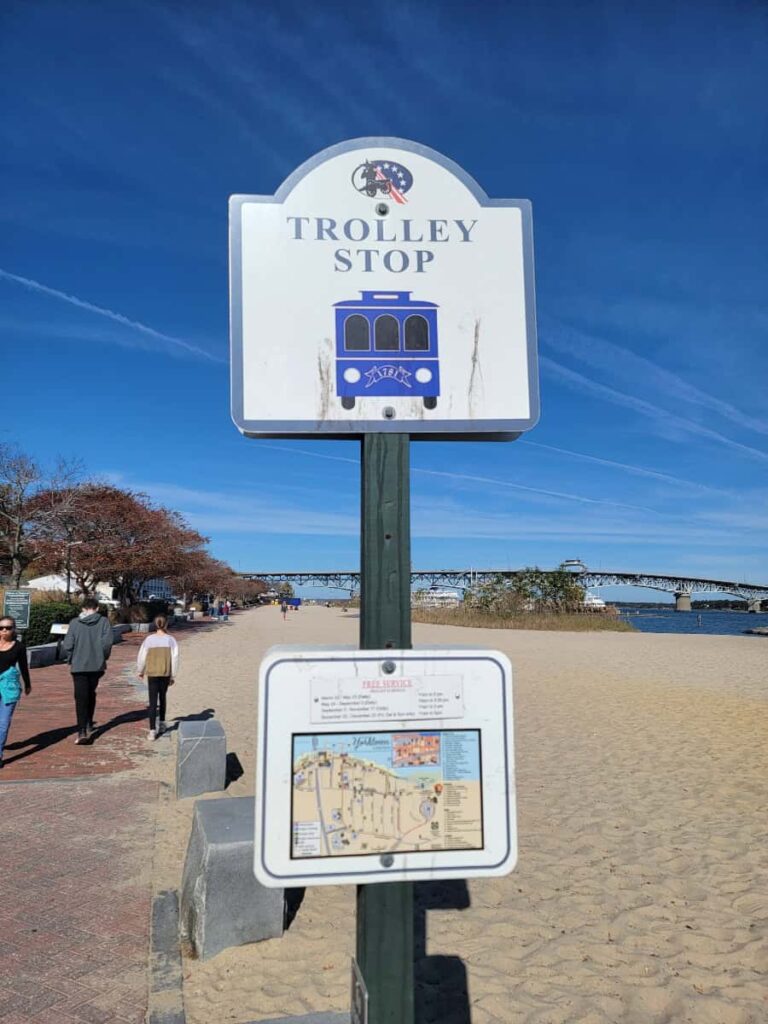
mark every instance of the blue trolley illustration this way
{"type": "Point", "coordinates": [386, 346]}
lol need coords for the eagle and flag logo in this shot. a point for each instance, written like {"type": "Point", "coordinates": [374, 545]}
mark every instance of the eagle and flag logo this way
{"type": "Point", "coordinates": [383, 178]}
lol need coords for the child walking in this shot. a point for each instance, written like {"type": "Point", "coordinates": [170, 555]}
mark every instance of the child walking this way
{"type": "Point", "coordinates": [159, 661]}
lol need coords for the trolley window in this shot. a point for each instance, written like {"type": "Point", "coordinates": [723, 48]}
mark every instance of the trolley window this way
{"type": "Point", "coordinates": [387, 334]}
{"type": "Point", "coordinates": [357, 333]}
{"type": "Point", "coordinates": [416, 334]}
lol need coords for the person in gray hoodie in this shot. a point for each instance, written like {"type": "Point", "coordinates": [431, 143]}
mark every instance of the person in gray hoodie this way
{"type": "Point", "coordinates": [87, 647]}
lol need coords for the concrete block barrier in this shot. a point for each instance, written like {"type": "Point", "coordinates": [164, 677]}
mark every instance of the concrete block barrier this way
{"type": "Point", "coordinates": [42, 655]}
{"type": "Point", "coordinates": [222, 905]}
{"type": "Point", "coordinates": [201, 758]}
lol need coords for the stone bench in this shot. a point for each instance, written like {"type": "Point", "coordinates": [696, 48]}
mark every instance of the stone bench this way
{"type": "Point", "coordinates": [42, 655]}
{"type": "Point", "coordinates": [222, 904]}
{"type": "Point", "coordinates": [201, 758]}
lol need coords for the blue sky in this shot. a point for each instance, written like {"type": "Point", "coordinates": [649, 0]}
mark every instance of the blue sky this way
{"type": "Point", "coordinates": [639, 134]}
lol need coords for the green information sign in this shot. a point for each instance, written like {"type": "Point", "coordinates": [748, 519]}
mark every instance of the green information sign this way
{"type": "Point", "coordinates": [16, 603]}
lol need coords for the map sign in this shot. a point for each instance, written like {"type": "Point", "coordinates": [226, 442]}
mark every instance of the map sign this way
{"type": "Point", "coordinates": [380, 792]}
{"type": "Point", "coordinates": [383, 765]}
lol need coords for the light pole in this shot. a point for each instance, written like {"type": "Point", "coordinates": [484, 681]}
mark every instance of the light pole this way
{"type": "Point", "coordinates": [70, 544]}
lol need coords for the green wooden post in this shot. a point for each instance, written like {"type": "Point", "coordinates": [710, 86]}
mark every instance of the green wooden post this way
{"type": "Point", "coordinates": [385, 947]}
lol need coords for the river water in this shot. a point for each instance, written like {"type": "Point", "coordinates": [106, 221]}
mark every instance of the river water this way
{"type": "Point", "coordinates": [667, 620]}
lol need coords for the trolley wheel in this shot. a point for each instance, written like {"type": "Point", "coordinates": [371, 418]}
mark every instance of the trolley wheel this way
{"type": "Point", "coordinates": [347, 402]}
{"type": "Point", "coordinates": [430, 403]}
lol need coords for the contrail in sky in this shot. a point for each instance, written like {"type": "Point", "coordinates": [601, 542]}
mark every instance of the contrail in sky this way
{"type": "Point", "coordinates": [637, 470]}
{"type": "Point", "coordinates": [493, 481]}
{"type": "Point", "coordinates": [73, 300]}
{"type": "Point", "coordinates": [661, 416]}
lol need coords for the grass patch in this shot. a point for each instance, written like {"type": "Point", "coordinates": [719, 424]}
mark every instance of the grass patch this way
{"type": "Point", "coordinates": [591, 622]}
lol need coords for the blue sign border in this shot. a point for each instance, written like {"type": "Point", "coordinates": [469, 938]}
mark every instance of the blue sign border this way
{"type": "Point", "coordinates": [428, 430]}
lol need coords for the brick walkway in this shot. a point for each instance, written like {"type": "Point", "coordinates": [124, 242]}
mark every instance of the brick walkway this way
{"type": "Point", "coordinates": [76, 842]}
{"type": "Point", "coordinates": [41, 743]}
{"type": "Point", "coordinates": [74, 917]}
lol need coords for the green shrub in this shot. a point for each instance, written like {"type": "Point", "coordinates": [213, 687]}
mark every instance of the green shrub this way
{"type": "Point", "coordinates": [578, 622]}
{"type": "Point", "coordinates": [42, 616]}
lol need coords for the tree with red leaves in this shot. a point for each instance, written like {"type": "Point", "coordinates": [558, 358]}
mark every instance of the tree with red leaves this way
{"type": "Point", "coordinates": [198, 573]}
{"type": "Point", "coordinates": [32, 502]}
{"type": "Point", "coordinates": [120, 537]}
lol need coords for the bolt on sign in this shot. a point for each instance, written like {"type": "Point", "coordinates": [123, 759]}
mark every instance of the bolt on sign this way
{"type": "Point", "coordinates": [381, 289]}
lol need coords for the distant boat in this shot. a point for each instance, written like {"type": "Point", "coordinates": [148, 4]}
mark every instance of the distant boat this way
{"type": "Point", "coordinates": [434, 597]}
{"type": "Point", "coordinates": [593, 603]}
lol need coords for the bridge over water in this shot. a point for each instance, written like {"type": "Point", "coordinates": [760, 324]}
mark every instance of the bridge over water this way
{"type": "Point", "coordinates": [683, 587]}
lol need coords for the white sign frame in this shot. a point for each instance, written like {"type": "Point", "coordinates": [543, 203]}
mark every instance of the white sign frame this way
{"type": "Point", "coordinates": [405, 415]}
{"type": "Point", "coordinates": [286, 677]}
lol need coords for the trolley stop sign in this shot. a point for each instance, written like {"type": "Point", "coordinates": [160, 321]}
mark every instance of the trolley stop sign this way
{"type": "Point", "coordinates": [380, 289]}
{"type": "Point", "coordinates": [383, 766]}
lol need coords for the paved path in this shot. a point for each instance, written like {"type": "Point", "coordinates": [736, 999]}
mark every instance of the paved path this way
{"type": "Point", "coordinates": [74, 918]}
{"type": "Point", "coordinates": [77, 832]}
{"type": "Point", "coordinates": [41, 741]}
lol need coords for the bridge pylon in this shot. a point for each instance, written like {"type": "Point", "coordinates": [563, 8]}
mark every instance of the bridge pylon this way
{"type": "Point", "coordinates": [682, 600]}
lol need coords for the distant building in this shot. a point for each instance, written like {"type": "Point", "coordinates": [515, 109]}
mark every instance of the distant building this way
{"type": "Point", "coordinates": [59, 583]}
{"type": "Point", "coordinates": [159, 589]}
{"type": "Point", "coordinates": [434, 597]}
{"type": "Point", "coordinates": [50, 583]}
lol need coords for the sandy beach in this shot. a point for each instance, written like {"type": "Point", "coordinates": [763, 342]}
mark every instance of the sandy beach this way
{"type": "Point", "coordinates": [641, 892]}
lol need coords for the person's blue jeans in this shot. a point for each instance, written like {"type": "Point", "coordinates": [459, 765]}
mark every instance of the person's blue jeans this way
{"type": "Point", "coordinates": [6, 714]}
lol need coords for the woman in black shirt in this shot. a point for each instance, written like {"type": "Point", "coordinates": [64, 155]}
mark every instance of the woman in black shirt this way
{"type": "Point", "coordinates": [13, 669]}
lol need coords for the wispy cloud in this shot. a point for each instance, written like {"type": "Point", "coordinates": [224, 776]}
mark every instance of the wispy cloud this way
{"type": "Point", "coordinates": [303, 451]}
{"type": "Point", "coordinates": [563, 495]}
{"type": "Point", "coordinates": [136, 325]}
{"type": "Point", "coordinates": [494, 482]}
{"type": "Point", "coordinates": [225, 76]}
{"type": "Point", "coordinates": [670, 422]}
{"type": "Point", "coordinates": [258, 515]}
{"type": "Point", "coordinates": [600, 353]}
{"type": "Point", "coordinates": [251, 513]}
{"type": "Point", "coordinates": [653, 474]}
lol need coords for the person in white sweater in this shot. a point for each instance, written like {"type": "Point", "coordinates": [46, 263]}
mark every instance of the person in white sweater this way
{"type": "Point", "coordinates": [159, 661]}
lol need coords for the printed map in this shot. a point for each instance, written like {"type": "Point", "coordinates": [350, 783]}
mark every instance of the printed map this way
{"type": "Point", "coordinates": [386, 792]}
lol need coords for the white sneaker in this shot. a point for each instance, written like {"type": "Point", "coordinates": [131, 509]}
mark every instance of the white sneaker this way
{"type": "Point", "coordinates": [152, 734]}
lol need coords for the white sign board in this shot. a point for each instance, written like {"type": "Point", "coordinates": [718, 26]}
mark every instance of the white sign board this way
{"type": "Point", "coordinates": [380, 289]}
{"type": "Point", "coordinates": [376, 766]}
